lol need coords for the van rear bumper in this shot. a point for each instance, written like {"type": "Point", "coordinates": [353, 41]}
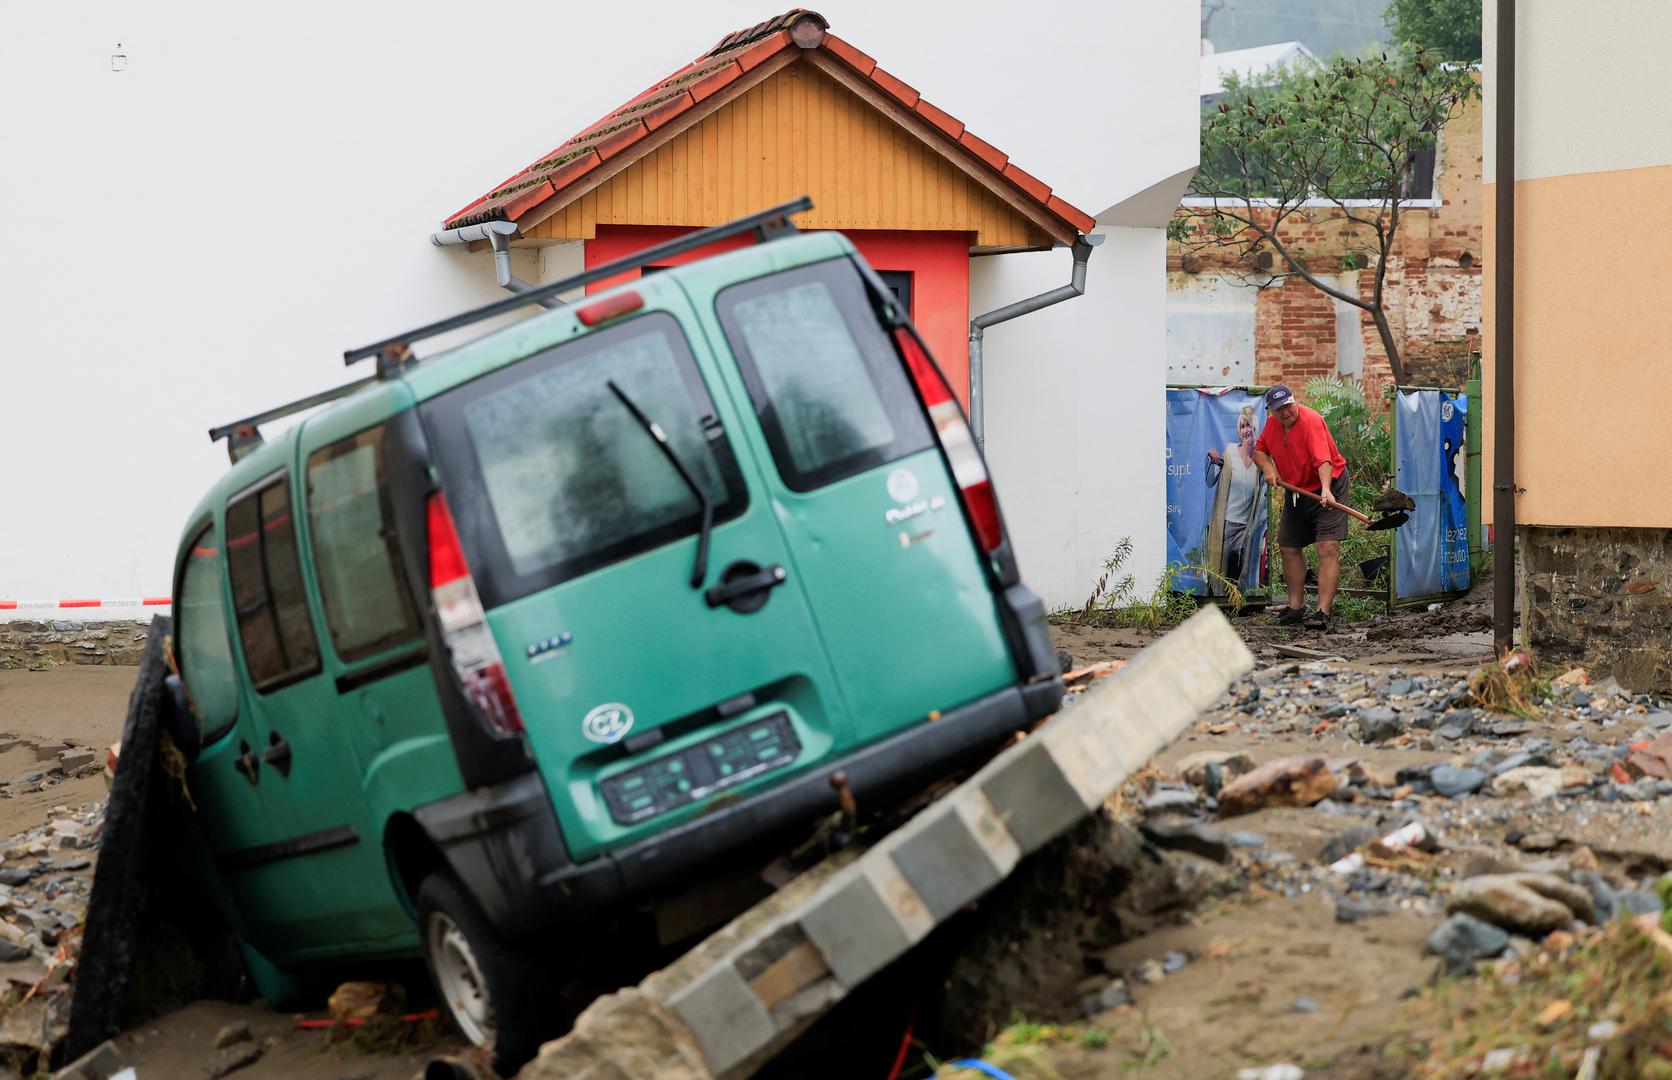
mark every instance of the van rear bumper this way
{"type": "Point", "coordinates": [504, 843]}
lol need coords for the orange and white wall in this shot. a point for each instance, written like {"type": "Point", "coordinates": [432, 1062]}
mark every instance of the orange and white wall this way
{"type": "Point", "coordinates": [1593, 305]}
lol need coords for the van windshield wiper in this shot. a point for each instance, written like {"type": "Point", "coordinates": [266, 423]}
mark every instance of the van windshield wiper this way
{"type": "Point", "coordinates": [699, 571]}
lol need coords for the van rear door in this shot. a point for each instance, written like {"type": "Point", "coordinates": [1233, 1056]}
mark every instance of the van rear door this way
{"type": "Point", "coordinates": [864, 497]}
{"type": "Point", "coordinates": [644, 695]}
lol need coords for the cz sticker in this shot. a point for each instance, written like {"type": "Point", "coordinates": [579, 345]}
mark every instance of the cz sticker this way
{"type": "Point", "coordinates": [608, 723]}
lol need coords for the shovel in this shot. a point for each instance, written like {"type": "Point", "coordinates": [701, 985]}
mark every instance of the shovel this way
{"type": "Point", "coordinates": [1386, 521]}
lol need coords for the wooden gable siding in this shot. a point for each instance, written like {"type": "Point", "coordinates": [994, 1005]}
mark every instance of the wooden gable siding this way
{"type": "Point", "coordinates": [796, 133]}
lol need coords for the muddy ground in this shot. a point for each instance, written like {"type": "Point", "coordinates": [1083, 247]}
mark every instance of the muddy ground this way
{"type": "Point", "coordinates": [1249, 961]}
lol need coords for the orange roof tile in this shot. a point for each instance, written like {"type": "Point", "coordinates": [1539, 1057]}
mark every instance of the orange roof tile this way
{"type": "Point", "coordinates": [713, 73]}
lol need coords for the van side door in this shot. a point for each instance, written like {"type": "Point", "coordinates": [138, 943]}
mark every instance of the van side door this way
{"type": "Point", "coordinates": [332, 874]}
{"type": "Point", "coordinates": [867, 503]}
{"type": "Point", "coordinates": [236, 814]}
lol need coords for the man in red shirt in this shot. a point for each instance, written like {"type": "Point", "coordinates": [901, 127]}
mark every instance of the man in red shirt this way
{"type": "Point", "coordinates": [1297, 447]}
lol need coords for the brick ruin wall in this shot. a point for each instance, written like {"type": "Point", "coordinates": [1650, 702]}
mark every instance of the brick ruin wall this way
{"type": "Point", "coordinates": [28, 644]}
{"type": "Point", "coordinates": [1433, 284]}
{"type": "Point", "coordinates": [1601, 598]}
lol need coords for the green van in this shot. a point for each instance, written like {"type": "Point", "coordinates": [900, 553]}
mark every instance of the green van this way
{"type": "Point", "coordinates": [552, 630]}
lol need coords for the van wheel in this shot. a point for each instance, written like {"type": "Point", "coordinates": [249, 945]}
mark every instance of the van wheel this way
{"type": "Point", "coordinates": [491, 990]}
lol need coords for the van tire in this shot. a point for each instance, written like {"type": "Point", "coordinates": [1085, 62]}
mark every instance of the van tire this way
{"type": "Point", "coordinates": [512, 1012]}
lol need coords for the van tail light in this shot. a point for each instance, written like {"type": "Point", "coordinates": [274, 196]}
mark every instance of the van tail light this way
{"type": "Point", "coordinates": [975, 488]}
{"type": "Point", "coordinates": [464, 625]}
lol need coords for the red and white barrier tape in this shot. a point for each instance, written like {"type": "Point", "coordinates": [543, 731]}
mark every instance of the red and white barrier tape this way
{"type": "Point", "coordinates": [85, 602]}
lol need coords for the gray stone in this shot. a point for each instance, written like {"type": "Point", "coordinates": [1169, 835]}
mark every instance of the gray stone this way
{"type": "Point", "coordinates": [1507, 900]}
{"type": "Point", "coordinates": [1305, 1005]}
{"type": "Point", "coordinates": [1348, 910]}
{"type": "Point", "coordinates": [70, 760]}
{"type": "Point", "coordinates": [100, 1063]}
{"type": "Point", "coordinates": [1462, 939]}
{"type": "Point", "coordinates": [1637, 902]}
{"type": "Point", "coordinates": [1604, 900]}
{"type": "Point", "coordinates": [1244, 838]}
{"type": "Point", "coordinates": [1196, 837]}
{"type": "Point", "coordinates": [1452, 782]}
{"type": "Point", "coordinates": [1345, 843]}
{"type": "Point", "coordinates": [1400, 687]}
{"type": "Point", "coordinates": [1378, 725]}
{"type": "Point", "coordinates": [1169, 800]}
{"type": "Point", "coordinates": [11, 950]}
{"type": "Point", "coordinates": [15, 875]}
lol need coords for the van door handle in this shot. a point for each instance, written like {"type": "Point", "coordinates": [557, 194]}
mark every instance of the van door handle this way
{"type": "Point", "coordinates": [277, 754]}
{"type": "Point", "coordinates": [247, 763]}
{"type": "Point", "coordinates": [743, 586]}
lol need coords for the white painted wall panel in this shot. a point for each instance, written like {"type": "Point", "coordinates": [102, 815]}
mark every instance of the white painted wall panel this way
{"type": "Point", "coordinates": [1210, 329]}
{"type": "Point", "coordinates": [199, 236]}
{"type": "Point", "coordinates": [1076, 411]}
{"type": "Point", "coordinates": [1586, 98]}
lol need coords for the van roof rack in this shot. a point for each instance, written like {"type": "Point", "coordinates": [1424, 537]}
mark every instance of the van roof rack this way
{"type": "Point", "coordinates": [767, 225]}
{"type": "Point", "coordinates": [395, 352]}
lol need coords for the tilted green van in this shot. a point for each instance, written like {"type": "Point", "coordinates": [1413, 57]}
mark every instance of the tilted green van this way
{"type": "Point", "coordinates": [558, 624]}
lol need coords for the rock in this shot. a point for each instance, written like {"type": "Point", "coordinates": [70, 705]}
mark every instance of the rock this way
{"type": "Point", "coordinates": [233, 1058]}
{"type": "Point", "coordinates": [1196, 837]}
{"type": "Point", "coordinates": [1378, 725]}
{"type": "Point", "coordinates": [1243, 838]}
{"type": "Point", "coordinates": [1573, 677]}
{"type": "Point", "coordinates": [1502, 900]}
{"type": "Point", "coordinates": [1111, 996]}
{"type": "Point", "coordinates": [1602, 1031]}
{"type": "Point", "coordinates": [1603, 897]}
{"type": "Point", "coordinates": [11, 951]}
{"type": "Point", "coordinates": [1504, 729]}
{"type": "Point", "coordinates": [1193, 768]}
{"type": "Point", "coordinates": [232, 1033]}
{"type": "Point", "coordinates": [1583, 858]}
{"type": "Point", "coordinates": [1305, 1005]}
{"type": "Point", "coordinates": [1501, 1060]}
{"type": "Point", "coordinates": [15, 875]}
{"type": "Point", "coordinates": [102, 1062]}
{"type": "Point", "coordinates": [1345, 843]}
{"type": "Point", "coordinates": [1400, 687]}
{"type": "Point", "coordinates": [1173, 960]}
{"type": "Point", "coordinates": [70, 760]}
{"type": "Point", "coordinates": [1573, 897]}
{"type": "Point", "coordinates": [1637, 902]}
{"type": "Point", "coordinates": [27, 1025]}
{"type": "Point", "coordinates": [1541, 841]}
{"type": "Point", "coordinates": [360, 1000]}
{"type": "Point", "coordinates": [1294, 781]}
{"type": "Point", "coordinates": [1452, 782]}
{"type": "Point", "coordinates": [1457, 724]}
{"type": "Point", "coordinates": [1462, 939]}
{"type": "Point", "coordinates": [1540, 782]}
{"type": "Point", "coordinates": [1284, 1071]}
{"type": "Point", "coordinates": [1169, 800]}
{"type": "Point", "coordinates": [1348, 910]}
{"type": "Point", "coordinates": [50, 750]}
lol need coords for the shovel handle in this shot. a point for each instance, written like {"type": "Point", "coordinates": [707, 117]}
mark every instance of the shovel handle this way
{"type": "Point", "coordinates": [1315, 497]}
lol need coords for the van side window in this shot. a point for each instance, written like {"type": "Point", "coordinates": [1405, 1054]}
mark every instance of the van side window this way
{"type": "Point", "coordinates": [205, 650]}
{"type": "Point", "coordinates": [368, 606]}
{"type": "Point", "coordinates": [826, 382]}
{"type": "Point", "coordinates": [273, 624]}
{"type": "Point", "coordinates": [549, 475]}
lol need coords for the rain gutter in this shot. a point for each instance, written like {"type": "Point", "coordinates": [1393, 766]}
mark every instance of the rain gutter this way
{"type": "Point", "coordinates": [498, 235]}
{"type": "Point", "coordinates": [1503, 346]}
{"type": "Point", "coordinates": [978, 326]}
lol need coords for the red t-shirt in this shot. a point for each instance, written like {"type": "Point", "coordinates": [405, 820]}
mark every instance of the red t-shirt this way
{"type": "Point", "coordinates": [1298, 451]}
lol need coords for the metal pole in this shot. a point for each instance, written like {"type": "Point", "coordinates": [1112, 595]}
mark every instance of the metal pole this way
{"type": "Point", "coordinates": [1503, 449]}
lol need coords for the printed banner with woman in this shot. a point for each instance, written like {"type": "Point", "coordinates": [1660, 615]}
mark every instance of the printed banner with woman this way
{"type": "Point", "coordinates": [1216, 498]}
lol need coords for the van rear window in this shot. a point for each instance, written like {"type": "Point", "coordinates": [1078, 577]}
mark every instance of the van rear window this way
{"type": "Point", "coordinates": [824, 377]}
{"type": "Point", "coordinates": [554, 476]}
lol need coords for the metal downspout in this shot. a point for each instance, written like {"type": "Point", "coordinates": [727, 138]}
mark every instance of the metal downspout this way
{"type": "Point", "coordinates": [498, 235]}
{"type": "Point", "coordinates": [978, 325]}
{"type": "Point", "coordinates": [1503, 350]}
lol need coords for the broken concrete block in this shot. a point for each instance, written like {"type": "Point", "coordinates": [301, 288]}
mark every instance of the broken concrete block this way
{"type": "Point", "coordinates": [102, 1062]}
{"type": "Point", "coordinates": [953, 852]}
{"type": "Point", "coordinates": [727, 1019]}
{"type": "Point", "coordinates": [866, 919]}
{"type": "Point", "coordinates": [71, 760]}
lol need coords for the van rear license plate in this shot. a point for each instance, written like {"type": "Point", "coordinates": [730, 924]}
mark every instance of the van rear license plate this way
{"type": "Point", "coordinates": [673, 780]}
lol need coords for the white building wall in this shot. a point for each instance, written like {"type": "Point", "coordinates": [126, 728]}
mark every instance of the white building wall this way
{"type": "Point", "coordinates": [199, 236]}
{"type": "Point", "coordinates": [1076, 411]}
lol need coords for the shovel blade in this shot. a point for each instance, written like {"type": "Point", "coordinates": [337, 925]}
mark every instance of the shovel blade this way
{"type": "Point", "coordinates": [1392, 521]}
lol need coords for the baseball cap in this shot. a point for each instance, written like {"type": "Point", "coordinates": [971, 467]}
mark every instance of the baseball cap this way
{"type": "Point", "coordinates": [1278, 396]}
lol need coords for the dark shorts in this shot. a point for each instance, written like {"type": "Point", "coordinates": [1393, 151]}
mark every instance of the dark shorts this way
{"type": "Point", "coordinates": [1306, 521]}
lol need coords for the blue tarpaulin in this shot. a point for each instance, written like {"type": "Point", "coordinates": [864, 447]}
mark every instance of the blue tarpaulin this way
{"type": "Point", "coordinates": [1431, 551]}
{"type": "Point", "coordinates": [1216, 499]}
